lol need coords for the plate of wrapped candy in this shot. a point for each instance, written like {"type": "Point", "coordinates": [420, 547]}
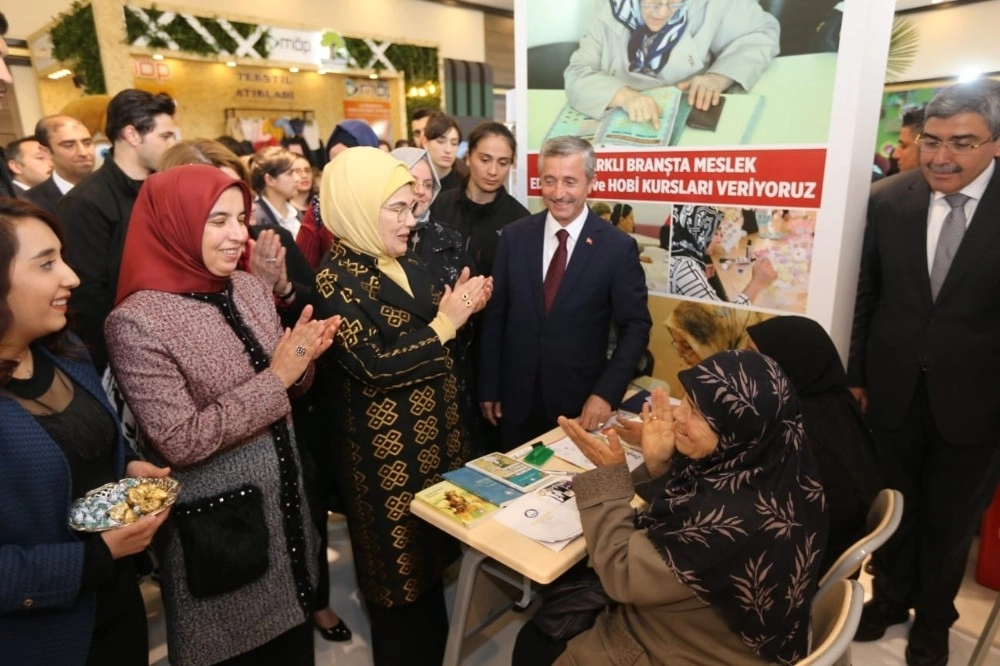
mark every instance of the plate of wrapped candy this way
{"type": "Point", "coordinates": [118, 504]}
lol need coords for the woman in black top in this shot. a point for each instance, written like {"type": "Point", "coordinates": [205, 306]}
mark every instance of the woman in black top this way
{"type": "Point", "coordinates": [67, 598]}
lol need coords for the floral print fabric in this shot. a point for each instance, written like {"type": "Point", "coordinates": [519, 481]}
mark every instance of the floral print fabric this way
{"type": "Point", "coordinates": [744, 528]}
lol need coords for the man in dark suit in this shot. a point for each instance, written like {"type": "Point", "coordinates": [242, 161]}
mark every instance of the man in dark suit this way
{"type": "Point", "coordinates": [7, 187]}
{"type": "Point", "coordinates": [69, 143]}
{"type": "Point", "coordinates": [560, 280]}
{"type": "Point", "coordinates": [924, 360]}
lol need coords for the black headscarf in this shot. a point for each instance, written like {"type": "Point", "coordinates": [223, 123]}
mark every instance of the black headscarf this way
{"type": "Point", "coordinates": [744, 527]}
{"type": "Point", "coordinates": [838, 433]}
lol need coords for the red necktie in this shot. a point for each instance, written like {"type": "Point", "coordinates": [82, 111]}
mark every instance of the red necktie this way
{"type": "Point", "coordinates": [557, 267]}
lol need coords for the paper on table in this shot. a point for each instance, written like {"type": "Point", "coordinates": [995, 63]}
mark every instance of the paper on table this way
{"type": "Point", "coordinates": [568, 451]}
{"type": "Point", "coordinates": [547, 515]}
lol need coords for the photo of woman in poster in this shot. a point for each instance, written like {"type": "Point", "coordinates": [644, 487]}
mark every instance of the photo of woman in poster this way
{"type": "Point", "coordinates": [697, 236]}
{"type": "Point", "coordinates": [703, 47]}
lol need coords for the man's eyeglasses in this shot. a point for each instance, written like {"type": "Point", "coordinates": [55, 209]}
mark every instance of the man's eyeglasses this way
{"type": "Point", "coordinates": [931, 144]}
{"type": "Point", "coordinates": [660, 6]}
{"type": "Point", "coordinates": [403, 211]}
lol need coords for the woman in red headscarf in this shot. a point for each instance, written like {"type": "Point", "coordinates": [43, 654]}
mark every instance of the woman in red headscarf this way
{"type": "Point", "coordinates": [201, 358]}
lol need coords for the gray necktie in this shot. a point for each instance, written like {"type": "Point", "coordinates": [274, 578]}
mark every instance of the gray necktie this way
{"type": "Point", "coordinates": [951, 237]}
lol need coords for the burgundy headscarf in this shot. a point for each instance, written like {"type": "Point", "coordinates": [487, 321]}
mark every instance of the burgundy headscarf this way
{"type": "Point", "coordinates": [163, 243]}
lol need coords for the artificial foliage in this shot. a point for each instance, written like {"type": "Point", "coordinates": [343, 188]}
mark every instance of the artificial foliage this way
{"type": "Point", "coordinates": [903, 46]}
{"type": "Point", "coordinates": [184, 35]}
{"type": "Point", "coordinates": [74, 43]}
{"type": "Point", "coordinates": [418, 64]}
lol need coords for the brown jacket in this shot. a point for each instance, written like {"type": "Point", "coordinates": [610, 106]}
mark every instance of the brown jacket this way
{"type": "Point", "coordinates": [659, 620]}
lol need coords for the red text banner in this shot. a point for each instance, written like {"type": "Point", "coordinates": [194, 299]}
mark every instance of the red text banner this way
{"type": "Point", "coordinates": [786, 178]}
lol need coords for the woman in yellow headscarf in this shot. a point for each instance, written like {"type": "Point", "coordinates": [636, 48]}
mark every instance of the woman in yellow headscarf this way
{"type": "Point", "coordinates": [393, 396]}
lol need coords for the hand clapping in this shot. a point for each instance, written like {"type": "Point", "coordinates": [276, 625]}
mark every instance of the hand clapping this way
{"type": "Point", "coordinates": [301, 345]}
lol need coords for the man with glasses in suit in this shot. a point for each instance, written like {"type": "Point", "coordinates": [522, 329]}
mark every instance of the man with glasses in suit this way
{"type": "Point", "coordinates": [924, 362]}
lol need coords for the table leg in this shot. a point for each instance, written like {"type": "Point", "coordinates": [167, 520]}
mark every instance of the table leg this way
{"type": "Point", "coordinates": [472, 559]}
{"type": "Point", "coordinates": [986, 638]}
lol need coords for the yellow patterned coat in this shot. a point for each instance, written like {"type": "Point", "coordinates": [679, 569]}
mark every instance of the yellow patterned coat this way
{"type": "Point", "coordinates": [396, 426]}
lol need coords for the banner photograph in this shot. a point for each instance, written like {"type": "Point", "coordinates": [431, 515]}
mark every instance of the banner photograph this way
{"type": "Point", "coordinates": [711, 122]}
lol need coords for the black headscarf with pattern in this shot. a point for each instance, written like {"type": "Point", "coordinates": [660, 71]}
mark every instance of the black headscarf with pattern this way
{"type": "Point", "coordinates": [744, 528]}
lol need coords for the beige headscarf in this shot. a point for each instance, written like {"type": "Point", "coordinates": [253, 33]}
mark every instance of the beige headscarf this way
{"type": "Point", "coordinates": [355, 185]}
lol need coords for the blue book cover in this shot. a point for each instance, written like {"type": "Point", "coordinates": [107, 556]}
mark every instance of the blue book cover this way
{"type": "Point", "coordinates": [492, 491]}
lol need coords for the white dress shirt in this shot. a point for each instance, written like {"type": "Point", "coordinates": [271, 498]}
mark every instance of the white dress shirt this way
{"type": "Point", "coordinates": [64, 185]}
{"type": "Point", "coordinates": [550, 242]}
{"type": "Point", "coordinates": [939, 209]}
{"type": "Point", "coordinates": [289, 219]}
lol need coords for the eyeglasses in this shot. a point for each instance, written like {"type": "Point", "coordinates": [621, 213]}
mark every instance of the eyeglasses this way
{"type": "Point", "coordinates": [404, 211]}
{"type": "Point", "coordinates": [660, 6]}
{"type": "Point", "coordinates": [299, 172]}
{"type": "Point", "coordinates": [930, 144]}
{"type": "Point", "coordinates": [423, 186]}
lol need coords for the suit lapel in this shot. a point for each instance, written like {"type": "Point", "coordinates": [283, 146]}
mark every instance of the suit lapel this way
{"type": "Point", "coordinates": [913, 234]}
{"type": "Point", "coordinates": [979, 237]}
{"type": "Point", "coordinates": [586, 245]}
{"type": "Point", "coordinates": [533, 258]}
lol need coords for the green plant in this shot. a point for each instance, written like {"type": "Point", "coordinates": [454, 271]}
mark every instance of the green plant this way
{"type": "Point", "coordinates": [187, 39]}
{"type": "Point", "coordinates": [903, 45]}
{"type": "Point", "coordinates": [74, 43]}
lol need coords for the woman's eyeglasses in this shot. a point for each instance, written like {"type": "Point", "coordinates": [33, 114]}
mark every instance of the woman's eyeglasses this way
{"type": "Point", "coordinates": [660, 6]}
{"type": "Point", "coordinates": [403, 211]}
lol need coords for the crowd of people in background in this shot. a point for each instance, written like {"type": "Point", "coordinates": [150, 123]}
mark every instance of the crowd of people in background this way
{"type": "Point", "coordinates": [290, 332]}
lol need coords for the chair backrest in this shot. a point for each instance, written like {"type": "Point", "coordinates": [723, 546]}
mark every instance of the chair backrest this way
{"type": "Point", "coordinates": [834, 619]}
{"type": "Point", "coordinates": [883, 520]}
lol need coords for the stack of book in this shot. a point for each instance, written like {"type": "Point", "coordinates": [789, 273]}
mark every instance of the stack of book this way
{"type": "Point", "coordinates": [482, 487]}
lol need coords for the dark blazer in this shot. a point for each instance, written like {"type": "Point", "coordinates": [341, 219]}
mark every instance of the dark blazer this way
{"type": "Point", "coordinates": [45, 618]}
{"type": "Point", "coordinates": [45, 195]}
{"type": "Point", "coordinates": [900, 333]}
{"type": "Point", "coordinates": [96, 214]}
{"type": "Point", "coordinates": [604, 284]}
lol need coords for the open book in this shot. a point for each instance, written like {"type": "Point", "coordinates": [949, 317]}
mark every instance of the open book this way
{"type": "Point", "coordinates": [615, 129]}
{"type": "Point", "coordinates": [457, 503]}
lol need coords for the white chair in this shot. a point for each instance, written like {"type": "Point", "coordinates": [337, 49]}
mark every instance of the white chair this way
{"type": "Point", "coordinates": [833, 619]}
{"type": "Point", "coordinates": [883, 520]}
{"type": "Point", "coordinates": [979, 655]}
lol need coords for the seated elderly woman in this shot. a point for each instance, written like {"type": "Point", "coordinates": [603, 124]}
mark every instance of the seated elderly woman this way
{"type": "Point", "coordinates": [701, 46]}
{"type": "Point", "coordinates": [838, 433]}
{"type": "Point", "coordinates": [721, 566]}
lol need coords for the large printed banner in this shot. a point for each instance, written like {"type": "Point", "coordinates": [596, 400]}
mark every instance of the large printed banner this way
{"type": "Point", "coordinates": [723, 202]}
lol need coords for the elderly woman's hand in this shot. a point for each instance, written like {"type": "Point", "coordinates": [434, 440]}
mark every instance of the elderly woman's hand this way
{"type": "Point", "coordinates": [657, 432]}
{"type": "Point", "coordinates": [704, 90]}
{"type": "Point", "coordinates": [469, 295]}
{"type": "Point", "coordinates": [629, 431]}
{"type": "Point", "coordinates": [300, 345]}
{"type": "Point", "coordinates": [597, 451]}
{"type": "Point", "coordinates": [640, 108]}
{"type": "Point", "coordinates": [267, 261]}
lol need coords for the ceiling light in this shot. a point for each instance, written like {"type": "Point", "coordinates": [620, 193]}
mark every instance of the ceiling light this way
{"type": "Point", "coordinates": [293, 70]}
{"type": "Point", "coordinates": [231, 63]}
{"type": "Point", "coordinates": [157, 56]}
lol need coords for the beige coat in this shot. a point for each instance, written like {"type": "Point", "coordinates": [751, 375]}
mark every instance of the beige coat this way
{"type": "Point", "coordinates": [659, 620]}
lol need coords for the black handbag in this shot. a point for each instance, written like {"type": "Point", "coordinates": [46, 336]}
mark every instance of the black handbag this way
{"type": "Point", "coordinates": [571, 604]}
{"type": "Point", "coordinates": [224, 539]}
